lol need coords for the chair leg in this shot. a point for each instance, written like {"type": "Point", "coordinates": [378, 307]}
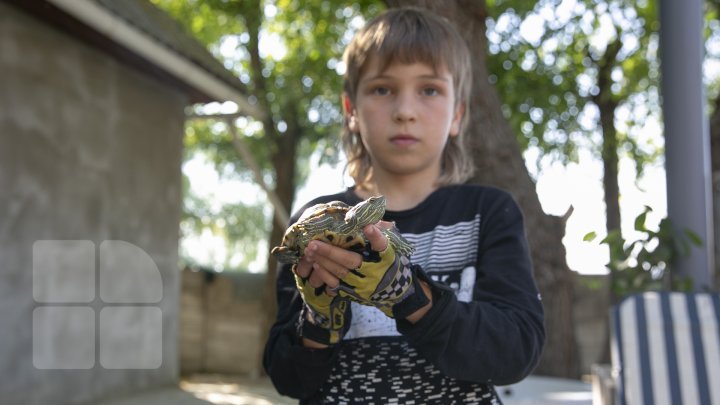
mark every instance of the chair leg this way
{"type": "Point", "coordinates": [603, 385]}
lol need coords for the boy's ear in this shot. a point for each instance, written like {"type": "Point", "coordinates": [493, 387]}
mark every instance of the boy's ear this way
{"type": "Point", "coordinates": [349, 113]}
{"type": "Point", "coordinates": [457, 120]}
{"type": "Point", "coordinates": [347, 104]}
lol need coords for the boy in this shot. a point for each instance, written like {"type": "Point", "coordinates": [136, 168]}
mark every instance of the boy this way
{"type": "Point", "coordinates": [464, 313]}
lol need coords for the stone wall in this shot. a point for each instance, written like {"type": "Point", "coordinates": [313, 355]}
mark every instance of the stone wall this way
{"type": "Point", "coordinates": [220, 318]}
{"type": "Point", "coordinates": [90, 196]}
{"type": "Point", "coordinates": [220, 322]}
{"type": "Point", "coordinates": [592, 314]}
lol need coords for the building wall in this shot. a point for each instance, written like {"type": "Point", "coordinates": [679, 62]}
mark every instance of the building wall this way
{"type": "Point", "coordinates": [90, 152]}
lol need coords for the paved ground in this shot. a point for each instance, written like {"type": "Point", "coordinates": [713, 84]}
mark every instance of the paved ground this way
{"type": "Point", "coordinates": [230, 390]}
{"type": "Point", "coordinates": [536, 390]}
{"type": "Point", "coordinates": [209, 389]}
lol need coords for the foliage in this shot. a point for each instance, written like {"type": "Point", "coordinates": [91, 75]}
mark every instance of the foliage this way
{"type": "Point", "coordinates": [230, 224]}
{"type": "Point", "coordinates": [287, 53]}
{"type": "Point", "coordinates": [712, 51]}
{"type": "Point", "coordinates": [300, 47]}
{"type": "Point", "coordinates": [544, 57]}
{"type": "Point", "coordinates": [543, 54]}
{"type": "Point", "coordinates": [646, 264]}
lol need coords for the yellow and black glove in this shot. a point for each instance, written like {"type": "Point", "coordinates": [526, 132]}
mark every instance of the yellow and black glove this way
{"type": "Point", "coordinates": [323, 318]}
{"type": "Point", "coordinates": [384, 280]}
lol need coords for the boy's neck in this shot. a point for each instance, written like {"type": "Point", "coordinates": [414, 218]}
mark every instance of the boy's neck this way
{"type": "Point", "coordinates": [400, 194]}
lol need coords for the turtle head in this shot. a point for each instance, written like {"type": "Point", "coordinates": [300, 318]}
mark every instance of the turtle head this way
{"type": "Point", "coordinates": [368, 211]}
{"type": "Point", "coordinates": [285, 255]}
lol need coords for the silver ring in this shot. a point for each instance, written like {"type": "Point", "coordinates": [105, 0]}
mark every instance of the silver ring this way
{"type": "Point", "coordinates": [334, 289]}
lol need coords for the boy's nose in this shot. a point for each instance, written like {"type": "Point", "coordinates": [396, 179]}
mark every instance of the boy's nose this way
{"type": "Point", "coordinates": [404, 109]}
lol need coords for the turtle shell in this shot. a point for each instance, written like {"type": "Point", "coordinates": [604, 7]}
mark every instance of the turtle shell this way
{"type": "Point", "coordinates": [336, 223]}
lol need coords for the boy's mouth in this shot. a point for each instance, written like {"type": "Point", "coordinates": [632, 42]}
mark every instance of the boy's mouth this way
{"type": "Point", "coordinates": [403, 140]}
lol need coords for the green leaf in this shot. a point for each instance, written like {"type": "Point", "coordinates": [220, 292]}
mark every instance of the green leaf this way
{"type": "Point", "coordinates": [590, 236]}
{"type": "Point", "coordinates": [640, 220]}
{"type": "Point", "coordinates": [645, 263]}
{"type": "Point", "coordinates": [694, 237]}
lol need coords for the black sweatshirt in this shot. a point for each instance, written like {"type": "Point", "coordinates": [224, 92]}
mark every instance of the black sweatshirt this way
{"type": "Point", "coordinates": [485, 326]}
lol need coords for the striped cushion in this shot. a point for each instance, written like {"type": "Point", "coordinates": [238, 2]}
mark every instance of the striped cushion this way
{"type": "Point", "coordinates": [666, 348]}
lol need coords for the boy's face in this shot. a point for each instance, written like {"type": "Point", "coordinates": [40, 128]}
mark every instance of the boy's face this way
{"type": "Point", "coordinates": [405, 115]}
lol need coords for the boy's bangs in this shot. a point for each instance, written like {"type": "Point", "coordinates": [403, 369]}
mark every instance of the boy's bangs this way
{"type": "Point", "coordinates": [405, 45]}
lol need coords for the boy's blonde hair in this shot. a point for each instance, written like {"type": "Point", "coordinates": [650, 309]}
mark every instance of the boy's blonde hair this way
{"type": "Point", "coordinates": [410, 35]}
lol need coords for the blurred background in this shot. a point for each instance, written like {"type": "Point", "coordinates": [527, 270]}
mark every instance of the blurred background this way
{"type": "Point", "coordinates": [192, 129]}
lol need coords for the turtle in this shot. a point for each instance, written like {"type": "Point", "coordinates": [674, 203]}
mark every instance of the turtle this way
{"type": "Point", "coordinates": [339, 224]}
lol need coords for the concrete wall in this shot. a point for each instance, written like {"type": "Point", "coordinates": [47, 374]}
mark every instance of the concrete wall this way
{"type": "Point", "coordinates": [90, 151]}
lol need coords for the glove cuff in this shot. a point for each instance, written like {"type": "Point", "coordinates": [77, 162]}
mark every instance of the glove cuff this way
{"type": "Point", "coordinates": [415, 297]}
{"type": "Point", "coordinates": [307, 328]}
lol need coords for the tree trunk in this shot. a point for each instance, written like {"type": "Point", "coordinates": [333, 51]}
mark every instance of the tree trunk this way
{"type": "Point", "coordinates": [283, 157]}
{"type": "Point", "coordinates": [284, 164]}
{"type": "Point", "coordinates": [499, 162]}
{"type": "Point", "coordinates": [715, 165]}
{"type": "Point", "coordinates": [607, 105]}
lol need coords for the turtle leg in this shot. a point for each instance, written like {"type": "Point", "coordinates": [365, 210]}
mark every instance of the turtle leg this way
{"type": "Point", "coordinates": [401, 245]}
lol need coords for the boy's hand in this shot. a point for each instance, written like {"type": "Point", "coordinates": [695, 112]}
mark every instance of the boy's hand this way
{"type": "Point", "coordinates": [380, 277]}
{"type": "Point", "coordinates": [323, 316]}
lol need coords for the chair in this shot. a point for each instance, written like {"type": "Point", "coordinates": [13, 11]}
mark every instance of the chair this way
{"type": "Point", "coordinates": [666, 349]}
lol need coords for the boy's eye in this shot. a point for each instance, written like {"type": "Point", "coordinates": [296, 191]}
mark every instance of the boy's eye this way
{"type": "Point", "coordinates": [430, 91]}
{"type": "Point", "coordinates": [381, 91]}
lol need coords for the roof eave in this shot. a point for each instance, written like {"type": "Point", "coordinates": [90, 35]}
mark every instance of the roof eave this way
{"type": "Point", "coordinates": [128, 36]}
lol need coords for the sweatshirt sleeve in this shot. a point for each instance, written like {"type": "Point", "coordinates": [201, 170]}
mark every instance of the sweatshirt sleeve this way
{"type": "Point", "coordinates": [496, 338]}
{"type": "Point", "coordinates": [295, 370]}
